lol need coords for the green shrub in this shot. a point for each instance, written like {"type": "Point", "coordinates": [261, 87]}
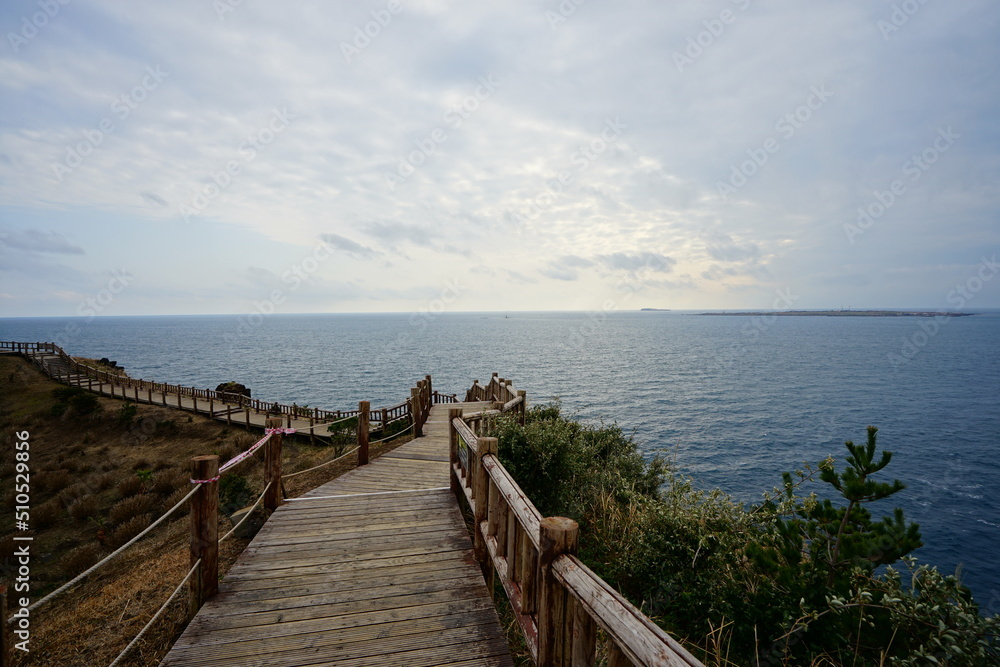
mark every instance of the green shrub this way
{"type": "Point", "coordinates": [790, 581]}
{"type": "Point", "coordinates": [127, 413]}
{"type": "Point", "coordinates": [234, 493]}
{"type": "Point", "coordinates": [85, 403]}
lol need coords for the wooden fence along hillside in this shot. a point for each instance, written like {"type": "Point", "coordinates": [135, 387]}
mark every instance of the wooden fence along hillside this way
{"type": "Point", "coordinates": [380, 553]}
{"type": "Point", "coordinates": [232, 408]}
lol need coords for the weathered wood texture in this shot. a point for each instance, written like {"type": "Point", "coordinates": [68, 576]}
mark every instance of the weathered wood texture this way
{"type": "Point", "coordinates": [373, 568]}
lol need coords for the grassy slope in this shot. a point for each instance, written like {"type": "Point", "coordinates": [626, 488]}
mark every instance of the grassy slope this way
{"type": "Point", "coordinates": [93, 459]}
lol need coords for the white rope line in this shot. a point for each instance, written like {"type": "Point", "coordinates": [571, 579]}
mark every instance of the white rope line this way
{"type": "Point", "coordinates": [247, 515]}
{"type": "Point", "coordinates": [373, 493]}
{"type": "Point", "coordinates": [394, 435]}
{"type": "Point", "coordinates": [326, 424]}
{"type": "Point", "coordinates": [157, 615]}
{"type": "Point", "coordinates": [302, 472]}
{"type": "Point", "coordinates": [110, 556]}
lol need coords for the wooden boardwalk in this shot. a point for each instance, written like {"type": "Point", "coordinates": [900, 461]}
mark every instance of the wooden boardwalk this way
{"type": "Point", "coordinates": [230, 413]}
{"type": "Point", "coordinates": [373, 568]}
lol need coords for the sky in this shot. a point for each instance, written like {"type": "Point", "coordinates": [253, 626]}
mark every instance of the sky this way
{"type": "Point", "coordinates": [240, 156]}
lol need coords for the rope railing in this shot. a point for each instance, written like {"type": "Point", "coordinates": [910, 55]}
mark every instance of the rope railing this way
{"type": "Point", "coordinates": [135, 641]}
{"type": "Point", "coordinates": [393, 436]}
{"type": "Point", "coordinates": [321, 465]}
{"type": "Point", "coordinates": [114, 554]}
{"type": "Point", "coordinates": [246, 516]}
{"type": "Point", "coordinates": [206, 472]}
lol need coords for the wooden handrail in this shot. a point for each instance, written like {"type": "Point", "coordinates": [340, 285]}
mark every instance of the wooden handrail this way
{"type": "Point", "coordinates": [640, 639]}
{"type": "Point", "coordinates": [557, 601]}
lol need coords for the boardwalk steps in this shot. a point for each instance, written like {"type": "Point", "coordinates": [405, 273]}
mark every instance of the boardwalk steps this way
{"type": "Point", "coordinates": [373, 568]}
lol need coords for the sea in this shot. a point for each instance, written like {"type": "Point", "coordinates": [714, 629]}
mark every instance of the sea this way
{"type": "Point", "coordinates": [732, 401]}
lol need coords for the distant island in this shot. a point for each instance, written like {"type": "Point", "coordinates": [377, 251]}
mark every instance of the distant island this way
{"type": "Point", "coordinates": [655, 310]}
{"type": "Point", "coordinates": [843, 313]}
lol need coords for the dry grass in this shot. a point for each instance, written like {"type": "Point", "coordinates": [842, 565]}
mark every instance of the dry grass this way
{"type": "Point", "coordinates": [129, 486]}
{"type": "Point", "coordinates": [126, 509]}
{"type": "Point", "coordinates": [129, 529]}
{"type": "Point", "coordinates": [96, 363]}
{"type": "Point", "coordinates": [85, 507]}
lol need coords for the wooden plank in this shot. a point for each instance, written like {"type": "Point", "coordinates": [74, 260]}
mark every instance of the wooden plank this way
{"type": "Point", "coordinates": [377, 579]}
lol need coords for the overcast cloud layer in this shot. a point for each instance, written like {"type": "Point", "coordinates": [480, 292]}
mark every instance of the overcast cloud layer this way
{"type": "Point", "coordinates": [220, 157]}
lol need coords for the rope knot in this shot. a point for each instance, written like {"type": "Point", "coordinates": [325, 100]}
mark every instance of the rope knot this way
{"type": "Point", "coordinates": [286, 431]}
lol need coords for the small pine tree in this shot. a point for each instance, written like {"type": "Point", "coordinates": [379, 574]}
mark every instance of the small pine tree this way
{"type": "Point", "coordinates": [815, 553]}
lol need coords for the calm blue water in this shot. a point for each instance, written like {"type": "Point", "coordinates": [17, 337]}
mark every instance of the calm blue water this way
{"type": "Point", "coordinates": [733, 400]}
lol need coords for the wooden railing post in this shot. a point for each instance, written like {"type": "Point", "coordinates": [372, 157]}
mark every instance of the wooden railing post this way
{"type": "Point", "coordinates": [456, 483]}
{"type": "Point", "coordinates": [272, 466]}
{"type": "Point", "coordinates": [617, 657]}
{"type": "Point", "coordinates": [204, 531]}
{"type": "Point", "coordinates": [363, 409]}
{"type": "Point", "coordinates": [415, 406]}
{"type": "Point", "coordinates": [480, 494]}
{"type": "Point", "coordinates": [557, 536]}
{"type": "Point", "coordinates": [523, 406]}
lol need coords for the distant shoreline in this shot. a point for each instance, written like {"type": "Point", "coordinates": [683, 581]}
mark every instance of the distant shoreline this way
{"type": "Point", "coordinates": [844, 313]}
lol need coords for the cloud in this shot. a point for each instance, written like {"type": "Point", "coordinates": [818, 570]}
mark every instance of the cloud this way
{"type": "Point", "coordinates": [721, 247]}
{"type": "Point", "coordinates": [348, 246]}
{"type": "Point", "coordinates": [565, 268]}
{"type": "Point", "coordinates": [37, 241]}
{"type": "Point", "coordinates": [391, 233]}
{"type": "Point", "coordinates": [154, 199]}
{"type": "Point", "coordinates": [642, 261]}
{"type": "Point", "coordinates": [610, 153]}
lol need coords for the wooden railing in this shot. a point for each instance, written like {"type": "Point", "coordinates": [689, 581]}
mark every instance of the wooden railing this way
{"type": "Point", "coordinates": [141, 391]}
{"type": "Point", "coordinates": [558, 601]}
